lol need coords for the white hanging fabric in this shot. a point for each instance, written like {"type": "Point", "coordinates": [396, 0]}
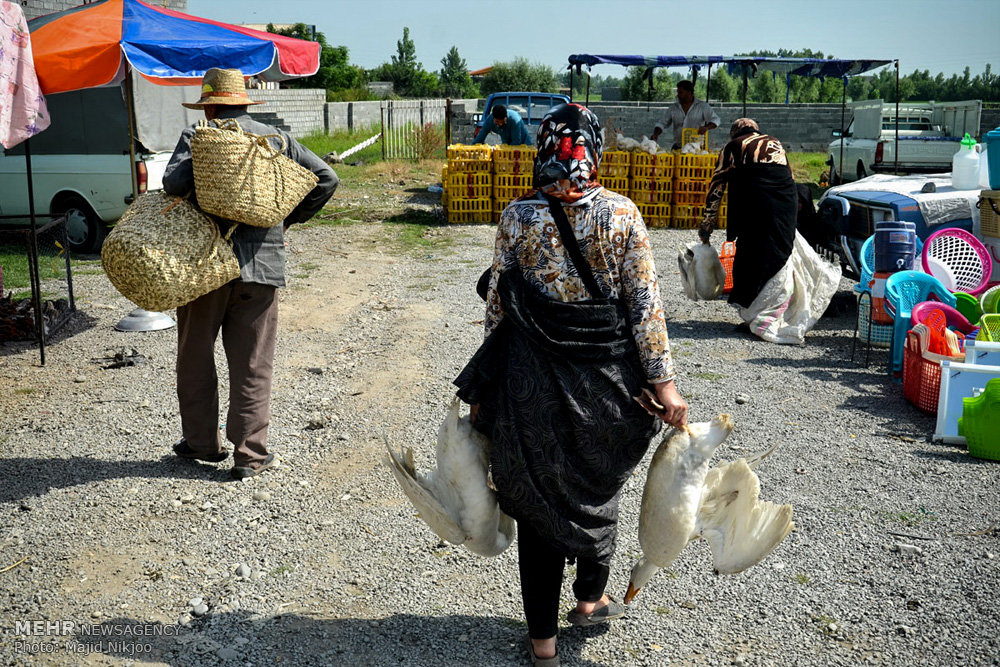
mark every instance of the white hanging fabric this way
{"type": "Point", "coordinates": [22, 107]}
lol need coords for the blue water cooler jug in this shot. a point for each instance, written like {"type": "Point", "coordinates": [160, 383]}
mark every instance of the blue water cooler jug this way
{"type": "Point", "coordinates": [895, 246]}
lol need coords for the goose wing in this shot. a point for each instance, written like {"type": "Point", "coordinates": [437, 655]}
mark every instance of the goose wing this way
{"type": "Point", "coordinates": [740, 528]}
{"type": "Point", "coordinates": [685, 262]}
{"type": "Point", "coordinates": [420, 490]}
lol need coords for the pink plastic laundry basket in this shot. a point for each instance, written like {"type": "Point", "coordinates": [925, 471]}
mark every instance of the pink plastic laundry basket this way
{"type": "Point", "coordinates": [958, 259]}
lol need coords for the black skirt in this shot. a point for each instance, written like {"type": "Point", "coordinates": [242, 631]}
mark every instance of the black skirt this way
{"type": "Point", "coordinates": [555, 382]}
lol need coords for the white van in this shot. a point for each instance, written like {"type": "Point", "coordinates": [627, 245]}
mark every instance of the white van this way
{"type": "Point", "coordinates": [80, 163]}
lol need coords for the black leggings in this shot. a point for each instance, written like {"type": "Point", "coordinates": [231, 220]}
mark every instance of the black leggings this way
{"type": "Point", "coordinates": [541, 567]}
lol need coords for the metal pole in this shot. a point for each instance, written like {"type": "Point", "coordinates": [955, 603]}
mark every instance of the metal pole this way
{"type": "Point", "coordinates": [708, 84]}
{"type": "Point", "coordinates": [587, 103]}
{"type": "Point", "coordinates": [381, 109]}
{"type": "Point", "coordinates": [34, 278]}
{"type": "Point", "coordinates": [447, 122]}
{"type": "Point", "coordinates": [744, 90]}
{"type": "Point", "coordinates": [895, 149]}
{"type": "Point", "coordinates": [130, 104]}
{"type": "Point", "coordinates": [843, 110]}
{"type": "Point", "coordinates": [570, 83]}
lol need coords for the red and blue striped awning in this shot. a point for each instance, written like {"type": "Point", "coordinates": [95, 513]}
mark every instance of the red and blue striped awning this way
{"type": "Point", "coordinates": [88, 47]}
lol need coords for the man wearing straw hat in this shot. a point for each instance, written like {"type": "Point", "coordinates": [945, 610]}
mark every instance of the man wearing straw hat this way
{"type": "Point", "coordinates": [244, 310]}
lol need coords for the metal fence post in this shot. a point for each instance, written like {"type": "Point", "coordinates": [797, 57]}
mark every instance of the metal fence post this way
{"type": "Point", "coordinates": [447, 122]}
{"type": "Point", "coordinates": [381, 108]}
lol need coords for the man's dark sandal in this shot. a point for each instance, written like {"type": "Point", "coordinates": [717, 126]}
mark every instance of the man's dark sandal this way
{"type": "Point", "coordinates": [183, 450]}
{"type": "Point", "coordinates": [242, 472]}
{"type": "Point", "coordinates": [608, 612]}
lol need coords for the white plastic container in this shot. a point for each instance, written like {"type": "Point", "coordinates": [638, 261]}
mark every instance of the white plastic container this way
{"type": "Point", "coordinates": [965, 166]}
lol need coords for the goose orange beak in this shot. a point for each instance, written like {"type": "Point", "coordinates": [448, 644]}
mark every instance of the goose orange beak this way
{"type": "Point", "coordinates": [631, 593]}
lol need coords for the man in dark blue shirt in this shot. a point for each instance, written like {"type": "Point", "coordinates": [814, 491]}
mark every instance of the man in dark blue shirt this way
{"type": "Point", "coordinates": [507, 124]}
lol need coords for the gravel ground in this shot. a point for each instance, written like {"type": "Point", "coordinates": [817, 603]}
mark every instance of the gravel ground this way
{"type": "Point", "coordinates": [893, 560]}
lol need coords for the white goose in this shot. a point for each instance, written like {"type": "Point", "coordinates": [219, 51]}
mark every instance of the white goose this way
{"type": "Point", "coordinates": [455, 499]}
{"type": "Point", "coordinates": [684, 500]}
{"type": "Point", "coordinates": [702, 275]}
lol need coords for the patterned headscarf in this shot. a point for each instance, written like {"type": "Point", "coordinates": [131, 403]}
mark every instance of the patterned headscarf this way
{"type": "Point", "coordinates": [743, 126]}
{"type": "Point", "coordinates": [569, 152]}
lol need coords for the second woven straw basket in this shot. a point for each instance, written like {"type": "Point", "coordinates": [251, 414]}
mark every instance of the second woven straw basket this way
{"type": "Point", "coordinates": [164, 253]}
{"type": "Point", "coordinates": [240, 176]}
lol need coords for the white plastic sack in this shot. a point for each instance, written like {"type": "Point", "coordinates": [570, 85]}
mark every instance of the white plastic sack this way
{"type": "Point", "coordinates": [795, 298]}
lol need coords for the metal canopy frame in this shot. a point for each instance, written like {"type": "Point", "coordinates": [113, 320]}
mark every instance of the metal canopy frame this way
{"type": "Point", "coordinates": [749, 66]}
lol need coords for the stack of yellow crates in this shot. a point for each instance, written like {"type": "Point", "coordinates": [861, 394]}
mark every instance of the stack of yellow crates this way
{"type": "Point", "coordinates": [614, 171]}
{"type": "Point", "coordinates": [692, 176]}
{"type": "Point", "coordinates": [513, 173]}
{"type": "Point", "coordinates": [468, 195]}
{"type": "Point", "coordinates": [650, 186]}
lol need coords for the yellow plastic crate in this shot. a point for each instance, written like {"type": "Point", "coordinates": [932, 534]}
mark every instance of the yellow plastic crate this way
{"type": "Point", "coordinates": [690, 134]}
{"type": "Point", "coordinates": [619, 185]}
{"type": "Point", "coordinates": [613, 170]}
{"type": "Point", "coordinates": [509, 194]}
{"type": "Point", "coordinates": [514, 159]}
{"type": "Point", "coordinates": [470, 151]}
{"type": "Point", "coordinates": [989, 219]}
{"type": "Point", "coordinates": [646, 166]}
{"type": "Point", "coordinates": [655, 215]}
{"type": "Point", "coordinates": [616, 158]}
{"type": "Point", "coordinates": [462, 166]}
{"type": "Point", "coordinates": [470, 185]}
{"type": "Point", "coordinates": [651, 196]}
{"type": "Point", "coordinates": [470, 210]}
{"type": "Point", "coordinates": [513, 180]}
{"type": "Point", "coordinates": [695, 167]}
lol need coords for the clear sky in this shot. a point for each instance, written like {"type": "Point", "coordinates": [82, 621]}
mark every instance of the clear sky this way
{"type": "Point", "coordinates": [938, 35]}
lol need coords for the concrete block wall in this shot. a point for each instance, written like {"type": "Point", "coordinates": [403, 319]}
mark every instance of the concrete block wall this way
{"type": "Point", "coordinates": [368, 114]}
{"type": "Point", "coordinates": [35, 8]}
{"type": "Point", "coordinates": [990, 120]}
{"type": "Point", "coordinates": [300, 109]}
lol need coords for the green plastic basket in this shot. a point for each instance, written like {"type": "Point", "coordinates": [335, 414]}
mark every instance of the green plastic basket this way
{"type": "Point", "coordinates": [968, 305]}
{"type": "Point", "coordinates": [989, 328]}
{"type": "Point", "coordinates": [980, 415]}
{"type": "Point", "coordinates": [989, 301]}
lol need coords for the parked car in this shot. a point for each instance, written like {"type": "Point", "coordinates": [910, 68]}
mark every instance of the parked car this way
{"type": "Point", "coordinates": [531, 106]}
{"type": "Point", "coordinates": [847, 218]}
{"type": "Point", "coordinates": [81, 164]}
{"type": "Point", "coordinates": [929, 135]}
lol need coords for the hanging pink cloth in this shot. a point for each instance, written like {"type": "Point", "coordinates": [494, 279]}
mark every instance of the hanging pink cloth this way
{"type": "Point", "coordinates": [22, 106]}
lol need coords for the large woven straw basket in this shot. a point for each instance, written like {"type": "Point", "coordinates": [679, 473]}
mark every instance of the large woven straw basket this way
{"type": "Point", "coordinates": [164, 253]}
{"type": "Point", "coordinates": [240, 176]}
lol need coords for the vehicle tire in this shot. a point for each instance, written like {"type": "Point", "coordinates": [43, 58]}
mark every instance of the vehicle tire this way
{"type": "Point", "coordinates": [862, 172]}
{"type": "Point", "coordinates": [84, 229]}
{"type": "Point", "coordinates": [834, 176]}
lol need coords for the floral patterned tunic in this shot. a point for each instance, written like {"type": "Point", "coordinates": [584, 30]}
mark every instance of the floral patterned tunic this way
{"type": "Point", "coordinates": [613, 239]}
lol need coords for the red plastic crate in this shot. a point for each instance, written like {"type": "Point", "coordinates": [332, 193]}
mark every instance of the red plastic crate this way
{"type": "Point", "coordinates": [726, 256]}
{"type": "Point", "coordinates": [922, 370]}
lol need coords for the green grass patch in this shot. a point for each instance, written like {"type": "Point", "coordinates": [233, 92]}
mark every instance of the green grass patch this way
{"type": "Point", "coordinates": [908, 518]}
{"type": "Point", "coordinates": [663, 611]}
{"type": "Point", "coordinates": [414, 237]}
{"type": "Point", "coordinates": [281, 569]}
{"type": "Point", "coordinates": [322, 143]}
{"type": "Point", "coordinates": [14, 261]}
{"type": "Point", "coordinates": [25, 390]}
{"type": "Point", "coordinates": [801, 579]}
{"type": "Point", "coordinates": [807, 167]}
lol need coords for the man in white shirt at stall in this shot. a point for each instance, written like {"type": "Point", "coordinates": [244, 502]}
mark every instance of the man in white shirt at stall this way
{"type": "Point", "coordinates": [687, 111]}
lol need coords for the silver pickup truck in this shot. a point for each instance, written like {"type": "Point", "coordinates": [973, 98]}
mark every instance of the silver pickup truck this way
{"type": "Point", "coordinates": [929, 136]}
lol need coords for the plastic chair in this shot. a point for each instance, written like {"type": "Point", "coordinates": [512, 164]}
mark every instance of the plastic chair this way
{"type": "Point", "coordinates": [958, 259]}
{"type": "Point", "coordinates": [954, 318]}
{"type": "Point", "coordinates": [903, 291]}
{"type": "Point", "coordinates": [871, 333]}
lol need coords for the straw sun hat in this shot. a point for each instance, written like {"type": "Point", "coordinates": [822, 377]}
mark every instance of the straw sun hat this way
{"type": "Point", "coordinates": [222, 86]}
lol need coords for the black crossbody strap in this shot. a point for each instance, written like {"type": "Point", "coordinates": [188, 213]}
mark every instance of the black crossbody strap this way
{"type": "Point", "coordinates": [573, 248]}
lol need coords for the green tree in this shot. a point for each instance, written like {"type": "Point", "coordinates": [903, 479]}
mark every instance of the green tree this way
{"type": "Point", "coordinates": [635, 86]}
{"type": "Point", "coordinates": [722, 87]}
{"type": "Point", "coordinates": [454, 77]}
{"type": "Point", "coordinates": [519, 75]}
{"type": "Point", "coordinates": [406, 73]}
{"type": "Point", "coordinates": [765, 89]}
